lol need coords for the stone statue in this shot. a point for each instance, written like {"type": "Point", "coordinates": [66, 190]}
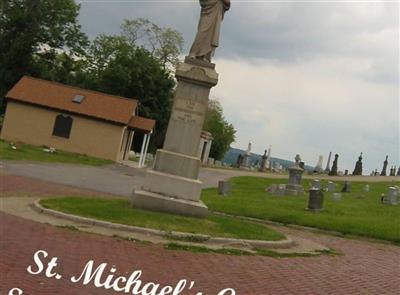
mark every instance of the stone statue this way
{"type": "Point", "coordinates": [298, 160]}
{"type": "Point", "coordinates": [358, 169]}
{"type": "Point", "coordinates": [207, 38]}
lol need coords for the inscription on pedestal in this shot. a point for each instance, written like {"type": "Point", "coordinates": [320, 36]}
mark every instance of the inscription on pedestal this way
{"type": "Point", "coordinates": [188, 111]}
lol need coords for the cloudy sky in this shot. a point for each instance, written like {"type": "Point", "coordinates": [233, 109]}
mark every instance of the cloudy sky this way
{"type": "Point", "coordinates": [306, 77]}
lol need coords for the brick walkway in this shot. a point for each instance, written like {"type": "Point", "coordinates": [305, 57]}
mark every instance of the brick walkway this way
{"type": "Point", "coordinates": [365, 267]}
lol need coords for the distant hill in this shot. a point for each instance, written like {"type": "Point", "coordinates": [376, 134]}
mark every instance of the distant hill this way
{"type": "Point", "coordinates": [233, 153]}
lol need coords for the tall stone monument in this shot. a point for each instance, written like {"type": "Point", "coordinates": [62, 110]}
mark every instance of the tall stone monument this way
{"type": "Point", "coordinates": [385, 164]}
{"type": "Point", "coordinates": [318, 167]}
{"type": "Point", "coordinates": [393, 171]}
{"type": "Point", "coordinates": [263, 164]}
{"type": "Point", "coordinates": [294, 186]}
{"type": "Point", "coordinates": [334, 170]}
{"type": "Point", "coordinates": [358, 169]}
{"type": "Point", "coordinates": [173, 184]}
{"type": "Point", "coordinates": [328, 164]}
{"type": "Point", "coordinates": [246, 158]}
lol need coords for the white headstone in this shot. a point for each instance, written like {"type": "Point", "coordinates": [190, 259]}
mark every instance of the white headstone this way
{"type": "Point", "coordinates": [392, 196]}
{"type": "Point", "coordinates": [336, 196]}
{"type": "Point", "coordinates": [331, 187]}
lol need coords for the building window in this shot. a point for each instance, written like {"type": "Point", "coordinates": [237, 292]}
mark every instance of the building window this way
{"type": "Point", "coordinates": [62, 126]}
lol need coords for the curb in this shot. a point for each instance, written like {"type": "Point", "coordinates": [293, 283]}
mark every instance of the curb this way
{"type": "Point", "coordinates": [276, 223]}
{"type": "Point", "coordinates": [202, 239]}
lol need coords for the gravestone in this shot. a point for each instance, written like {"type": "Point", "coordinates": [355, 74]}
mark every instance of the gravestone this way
{"type": "Point", "coordinates": [244, 162]}
{"type": "Point", "coordinates": [224, 187]}
{"type": "Point", "coordinates": [366, 188]}
{"type": "Point", "coordinates": [385, 164]}
{"type": "Point", "coordinates": [393, 171]}
{"type": "Point", "coordinates": [281, 190]}
{"type": "Point", "coordinates": [263, 164]}
{"type": "Point", "coordinates": [334, 170]}
{"type": "Point", "coordinates": [173, 185]}
{"type": "Point", "coordinates": [272, 188]}
{"type": "Point", "coordinates": [294, 186]}
{"type": "Point", "coordinates": [358, 168]}
{"type": "Point", "coordinates": [328, 167]}
{"type": "Point", "coordinates": [211, 161]}
{"type": "Point", "coordinates": [392, 196]}
{"type": "Point", "coordinates": [316, 183]}
{"type": "Point", "coordinates": [218, 163]}
{"type": "Point", "coordinates": [346, 187]}
{"type": "Point", "coordinates": [318, 168]}
{"type": "Point", "coordinates": [331, 187]}
{"type": "Point", "coordinates": [346, 172]}
{"type": "Point", "coordinates": [336, 196]}
{"type": "Point", "coordinates": [315, 200]}
{"type": "Point", "coordinates": [398, 172]}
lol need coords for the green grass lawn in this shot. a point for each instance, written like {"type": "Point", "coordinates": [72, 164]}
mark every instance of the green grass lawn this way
{"type": "Point", "coordinates": [356, 216]}
{"type": "Point", "coordinates": [119, 211]}
{"type": "Point", "coordinates": [25, 152]}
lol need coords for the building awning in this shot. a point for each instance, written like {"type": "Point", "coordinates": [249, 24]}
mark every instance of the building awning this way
{"type": "Point", "coordinates": [142, 124]}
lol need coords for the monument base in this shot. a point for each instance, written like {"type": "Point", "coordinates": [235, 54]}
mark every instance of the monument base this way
{"type": "Point", "coordinates": [294, 190]}
{"type": "Point", "coordinates": [173, 185]}
{"type": "Point", "coordinates": [156, 202]}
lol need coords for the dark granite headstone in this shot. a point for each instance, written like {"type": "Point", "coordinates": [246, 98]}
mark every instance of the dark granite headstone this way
{"type": "Point", "coordinates": [385, 164]}
{"type": "Point", "coordinates": [398, 172]}
{"type": "Point", "coordinates": [315, 200]}
{"type": "Point", "coordinates": [334, 170]}
{"type": "Point", "coordinates": [358, 168]}
{"type": "Point", "coordinates": [346, 187]}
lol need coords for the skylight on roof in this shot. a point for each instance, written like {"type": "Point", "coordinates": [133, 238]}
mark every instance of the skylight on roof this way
{"type": "Point", "coordinates": [78, 98]}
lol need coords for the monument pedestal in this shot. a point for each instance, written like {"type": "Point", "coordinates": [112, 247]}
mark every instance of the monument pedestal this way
{"type": "Point", "coordinates": [172, 185]}
{"type": "Point", "coordinates": [294, 186]}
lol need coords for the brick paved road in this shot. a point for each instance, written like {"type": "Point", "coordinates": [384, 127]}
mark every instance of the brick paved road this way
{"type": "Point", "coordinates": [365, 267]}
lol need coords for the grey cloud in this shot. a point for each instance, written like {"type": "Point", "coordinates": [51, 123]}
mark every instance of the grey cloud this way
{"type": "Point", "coordinates": [284, 32]}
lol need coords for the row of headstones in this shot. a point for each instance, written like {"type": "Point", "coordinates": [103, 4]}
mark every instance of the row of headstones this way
{"type": "Point", "coordinates": [316, 195]}
{"type": "Point", "coordinates": [392, 172]}
{"type": "Point", "coordinates": [213, 162]}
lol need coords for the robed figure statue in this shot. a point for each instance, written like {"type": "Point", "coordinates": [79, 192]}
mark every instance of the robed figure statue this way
{"type": "Point", "coordinates": [207, 38]}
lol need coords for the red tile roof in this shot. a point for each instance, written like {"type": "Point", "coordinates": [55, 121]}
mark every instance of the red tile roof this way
{"type": "Point", "coordinates": [94, 104]}
{"type": "Point", "coordinates": [58, 96]}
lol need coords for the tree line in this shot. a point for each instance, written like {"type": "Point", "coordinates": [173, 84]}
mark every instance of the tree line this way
{"type": "Point", "coordinates": [43, 39]}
